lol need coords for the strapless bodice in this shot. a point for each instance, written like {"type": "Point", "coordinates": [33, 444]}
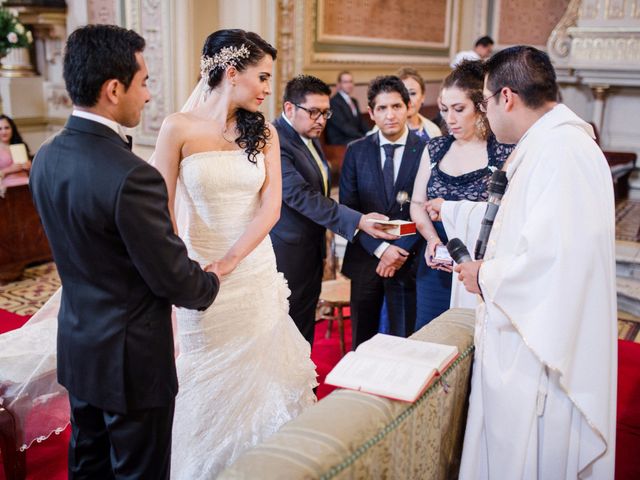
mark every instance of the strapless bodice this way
{"type": "Point", "coordinates": [219, 193]}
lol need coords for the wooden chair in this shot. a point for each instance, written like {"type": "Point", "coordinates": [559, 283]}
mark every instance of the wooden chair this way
{"type": "Point", "coordinates": [14, 461]}
{"type": "Point", "coordinates": [335, 294]}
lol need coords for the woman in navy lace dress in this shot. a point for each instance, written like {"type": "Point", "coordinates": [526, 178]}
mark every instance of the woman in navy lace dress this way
{"type": "Point", "coordinates": [454, 167]}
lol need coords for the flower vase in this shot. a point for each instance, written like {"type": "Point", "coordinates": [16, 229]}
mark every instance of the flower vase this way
{"type": "Point", "coordinates": [16, 63]}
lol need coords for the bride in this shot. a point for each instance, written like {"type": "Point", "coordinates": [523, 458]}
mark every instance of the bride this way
{"type": "Point", "coordinates": [243, 367]}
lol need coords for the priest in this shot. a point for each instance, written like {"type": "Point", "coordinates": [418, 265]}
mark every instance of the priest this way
{"type": "Point", "coordinates": [543, 397]}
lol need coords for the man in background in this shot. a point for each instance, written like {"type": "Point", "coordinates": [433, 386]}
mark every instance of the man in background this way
{"type": "Point", "coordinates": [307, 210]}
{"type": "Point", "coordinates": [346, 124]}
{"type": "Point", "coordinates": [482, 50]}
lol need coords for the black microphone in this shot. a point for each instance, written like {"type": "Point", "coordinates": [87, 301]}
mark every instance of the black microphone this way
{"type": "Point", "coordinates": [496, 188]}
{"type": "Point", "coordinates": [458, 251]}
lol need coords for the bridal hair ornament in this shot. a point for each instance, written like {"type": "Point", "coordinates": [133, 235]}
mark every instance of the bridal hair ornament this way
{"type": "Point", "coordinates": [225, 58]}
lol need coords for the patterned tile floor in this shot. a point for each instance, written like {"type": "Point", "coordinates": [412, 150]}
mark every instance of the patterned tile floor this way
{"type": "Point", "coordinates": [27, 295]}
{"type": "Point", "coordinates": [628, 220]}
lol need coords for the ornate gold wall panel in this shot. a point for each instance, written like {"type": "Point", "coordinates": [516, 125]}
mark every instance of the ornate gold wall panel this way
{"type": "Point", "coordinates": [403, 23]}
{"type": "Point", "coordinates": [527, 21]}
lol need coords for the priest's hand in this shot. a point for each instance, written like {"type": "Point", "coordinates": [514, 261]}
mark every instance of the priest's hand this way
{"type": "Point", "coordinates": [375, 229]}
{"type": "Point", "coordinates": [433, 208]}
{"type": "Point", "coordinates": [468, 275]}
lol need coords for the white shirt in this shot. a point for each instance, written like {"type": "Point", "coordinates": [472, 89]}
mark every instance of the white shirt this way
{"type": "Point", "coordinates": [397, 161]}
{"type": "Point", "coordinates": [465, 55]}
{"type": "Point", "coordinates": [112, 124]}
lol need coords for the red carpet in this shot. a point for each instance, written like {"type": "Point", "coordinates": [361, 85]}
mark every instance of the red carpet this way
{"type": "Point", "coordinates": [48, 460]}
{"type": "Point", "coordinates": [628, 422]}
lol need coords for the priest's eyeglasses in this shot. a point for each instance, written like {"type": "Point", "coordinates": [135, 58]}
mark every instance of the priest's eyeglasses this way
{"type": "Point", "coordinates": [315, 114]}
{"type": "Point", "coordinates": [482, 104]}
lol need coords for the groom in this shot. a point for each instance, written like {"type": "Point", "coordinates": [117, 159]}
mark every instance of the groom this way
{"type": "Point", "coordinates": [105, 213]}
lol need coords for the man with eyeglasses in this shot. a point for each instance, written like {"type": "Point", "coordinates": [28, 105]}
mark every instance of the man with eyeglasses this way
{"type": "Point", "coordinates": [375, 170]}
{"type": "Point", "coordinates": [307, 210]}
{"type": "Point", "coordinates": [543, 395]}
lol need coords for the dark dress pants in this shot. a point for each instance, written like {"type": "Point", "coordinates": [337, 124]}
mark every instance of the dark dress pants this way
{"type": "Point", "coordinates": [302, 265]}
{"type": "Point", "coordinates": [369, 291]}
{"type": "Point", "coordinates": [106, 445]}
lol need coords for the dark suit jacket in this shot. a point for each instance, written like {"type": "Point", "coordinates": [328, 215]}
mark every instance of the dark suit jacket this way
{"type": "Point", "coordinates": [343, 127]}
{"type": "Point", "coordinates": [362, 188]}
{"type": "Point", "coordinates": [104, 211]}
{"type": "Point", "coordinates": [306, 210]}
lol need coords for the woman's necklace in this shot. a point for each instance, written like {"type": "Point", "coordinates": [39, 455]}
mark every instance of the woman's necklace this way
{"type": "Point", "coordinates": [224, 130]}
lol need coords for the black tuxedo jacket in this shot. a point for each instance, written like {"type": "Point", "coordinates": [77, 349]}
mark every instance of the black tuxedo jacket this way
{"type": "Point", "coordinates": [104, 211]}
{"type": "Point", "coordinates": [362, 188]}
{"type": "Point", "coordinates": [306, 209]}
{"type": "Point", "coordinates": [343, 127]}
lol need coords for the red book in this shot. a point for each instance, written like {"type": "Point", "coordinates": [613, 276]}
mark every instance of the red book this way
{"type": "Point", "coordinates": [396, 227]}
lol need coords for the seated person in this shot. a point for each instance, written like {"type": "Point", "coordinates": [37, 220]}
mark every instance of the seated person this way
{"type": "Point", "coordinates": [11, 173]}
{"type": "Point", "coordinates": [482, 50]}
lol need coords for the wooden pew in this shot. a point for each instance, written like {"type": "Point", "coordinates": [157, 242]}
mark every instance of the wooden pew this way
{"type": "Point", "coordinates": [22, 238]}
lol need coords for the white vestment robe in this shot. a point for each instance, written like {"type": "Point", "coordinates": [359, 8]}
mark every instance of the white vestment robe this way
{"type": "Point", "coordinates": [543, 395]}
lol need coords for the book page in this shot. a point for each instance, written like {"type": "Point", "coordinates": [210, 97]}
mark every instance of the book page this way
{"type": "Point", "coordinates": [434, 355]}
{"type": "Point", "coordinates": [19, 153]}
{"type": "Point", "coordinates": [389, 222]}
{"type": "Point", "coordinates": [396, 379]}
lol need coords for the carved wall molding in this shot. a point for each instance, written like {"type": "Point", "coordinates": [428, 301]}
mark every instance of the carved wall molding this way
{"type": "Point", "coordinates": [285, 44]}
{"type": "Point", "coordinates": [152, 20]}
{"type": "Point", "coordinates": [605, 48]}
{"type": "Point", "coordinates": [559, 43]}
{"type": "Point", "coordinates": [102, 11]}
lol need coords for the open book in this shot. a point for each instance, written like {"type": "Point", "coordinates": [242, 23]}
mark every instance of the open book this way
{"type": "Point", "coordinates": [396, 227]}
{"type": "Point", "coordinates": [393, 367]}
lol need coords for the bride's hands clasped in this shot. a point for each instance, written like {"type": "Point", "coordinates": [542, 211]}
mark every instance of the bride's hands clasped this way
{"type": "Point", "coordinates": [222, 267]}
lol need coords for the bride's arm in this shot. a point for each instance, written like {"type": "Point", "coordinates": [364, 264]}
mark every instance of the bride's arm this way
{"type": "Point", "coordinates": [267, 214]}
{"type": "Point", "coordinates": [167, 156]}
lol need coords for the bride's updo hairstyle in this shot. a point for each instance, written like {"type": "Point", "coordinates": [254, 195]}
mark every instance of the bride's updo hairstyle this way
{"type": "Point", "coordinates": [241, 49]}
{"type": "Point", "coordinates": [468, 76]}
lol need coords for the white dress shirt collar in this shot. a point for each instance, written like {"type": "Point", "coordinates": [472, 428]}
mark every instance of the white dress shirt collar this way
{"type": "Point", "coordinates": [112, 124]}
{"type": "Point", "coordinates": [401, 141]}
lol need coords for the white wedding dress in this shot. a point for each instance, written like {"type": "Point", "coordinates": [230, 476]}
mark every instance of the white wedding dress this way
{"type": "Point", "coordinates": [244, 369]}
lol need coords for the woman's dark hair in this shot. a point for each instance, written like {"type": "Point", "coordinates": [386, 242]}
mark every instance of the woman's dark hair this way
{"type": "Point", "coordinates": [468, 76]}
{"type": "Point", "coordinates": [525, 70]}
{"type": "Point", "coordinates": [95, 54]}
{"type": "Point", "coordinates": [15, 134]}
{"type": "Point", "coordinates": [386, 84]}
{"type": "Point", "coordinates": [252, 126]}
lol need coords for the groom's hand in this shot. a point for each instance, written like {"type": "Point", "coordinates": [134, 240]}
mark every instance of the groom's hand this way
{"type": "Point", "coordinates": [214, 268]}
{"type": "Point", "coordinates": [376, 230]}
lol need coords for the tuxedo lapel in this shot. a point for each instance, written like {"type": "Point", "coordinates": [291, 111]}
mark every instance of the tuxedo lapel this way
{"type": "Point", "coordinates": [373, 155]}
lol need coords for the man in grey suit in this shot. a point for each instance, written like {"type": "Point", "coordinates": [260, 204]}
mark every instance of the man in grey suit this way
{"type": "Point", "coordinates": [307, 210]}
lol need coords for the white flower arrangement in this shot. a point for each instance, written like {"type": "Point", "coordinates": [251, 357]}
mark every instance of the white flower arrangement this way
{"type": "Point", "coordinates": [13, 34]}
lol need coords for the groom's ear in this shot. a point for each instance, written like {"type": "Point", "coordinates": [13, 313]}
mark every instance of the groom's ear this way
{"type": "Point", "coordinates": [111, 90]}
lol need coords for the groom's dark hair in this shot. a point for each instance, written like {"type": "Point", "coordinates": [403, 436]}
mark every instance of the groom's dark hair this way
{"type": "Point", "coordinates": [95, 54]}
